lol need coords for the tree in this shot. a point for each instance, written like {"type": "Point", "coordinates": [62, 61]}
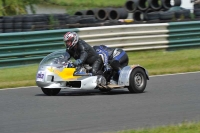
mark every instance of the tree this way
{"type": "Point", "coordinates": [16, 7]}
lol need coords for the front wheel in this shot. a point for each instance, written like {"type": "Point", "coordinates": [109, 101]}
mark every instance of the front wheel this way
{"type": "Point", "coordinates": [50, 92]}
{"type": "Point", "coordinates": [137, 81]}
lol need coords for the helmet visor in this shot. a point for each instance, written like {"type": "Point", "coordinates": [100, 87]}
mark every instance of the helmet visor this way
{"type": "Point", "coordinates": [68, 43]}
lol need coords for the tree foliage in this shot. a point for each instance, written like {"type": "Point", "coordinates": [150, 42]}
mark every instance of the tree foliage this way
{"type": "Point", "coordinates": [16, 7]}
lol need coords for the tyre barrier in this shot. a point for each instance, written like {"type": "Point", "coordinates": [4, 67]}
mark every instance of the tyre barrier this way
{"type": "Point", "coordinates": [143, 10]}
{"type": "Point", "coordinates": [167, 3]}
{"type": "Point", "coordinates": [88, 19]}
{"type": "Point", "coordinates": [166, 15]}
{"type": "Point", "coordinates": [37, 22]}
{"type": "Point", "coordinates": [139, 15]}
{"type": "Point", "coordinates": [91, 12]}
{"type": "Point", "coordinates": [135, 6]}
{"type": "Point", "coordinates": [117, 13]}
{"type": "Point", "coordinates": [102, 13]}
{"type": "Point", "coordinates": [180, 12]}
{"type": "Point", "coordinates": [197, 12]}
{"type": "Point", "coordinates": [143, 5]}
{"type": "Point", "coordinates": [155, 4]}
{"type": "Point", "coordinates": [131, 5]}
{"type": "Point", "coordinates": [81, 12]}
{"type": "Point", "coordinates": [152, 16]}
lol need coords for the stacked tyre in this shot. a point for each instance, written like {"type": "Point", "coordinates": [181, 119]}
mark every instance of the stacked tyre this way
{"type": "Point", "coordinates": [8, 24]}
{"type": "Point", "coordinates": [103, 14]}
{"type": "Point", "coordinates": [197, 11]}
{"type": "Point", "coordinates": [156, 10]}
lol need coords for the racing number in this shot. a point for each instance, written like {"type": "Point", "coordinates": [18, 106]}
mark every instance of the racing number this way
{"type": "Point", "coordinates": [40, 76]}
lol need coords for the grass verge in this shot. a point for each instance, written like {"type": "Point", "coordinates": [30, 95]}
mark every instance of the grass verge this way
{"type": "Point", "coordinates": [186, 127]}
{"type": "Point", "coordinates": [75, 5]}
{"type": "Point", "coordinates": [156, 62]}
{"type": "Point", "coordinates": [88, 3]}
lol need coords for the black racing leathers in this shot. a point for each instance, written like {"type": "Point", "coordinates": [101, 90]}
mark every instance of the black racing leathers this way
{"type": "Point", "coordinates": [87, 55]}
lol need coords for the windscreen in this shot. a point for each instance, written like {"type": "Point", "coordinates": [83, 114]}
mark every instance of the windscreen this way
{"type": "Point", "coordinates": [55, 58]}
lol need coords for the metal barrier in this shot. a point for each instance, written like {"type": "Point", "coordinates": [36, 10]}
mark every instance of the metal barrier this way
{"type": "Point", "coordinates": [24, 48]}
{"type": "Point", "coordinates": [184, 34]}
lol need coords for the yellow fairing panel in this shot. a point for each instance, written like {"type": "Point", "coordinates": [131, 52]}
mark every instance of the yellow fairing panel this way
{"type": "Point", "coordinates": [65, 74]}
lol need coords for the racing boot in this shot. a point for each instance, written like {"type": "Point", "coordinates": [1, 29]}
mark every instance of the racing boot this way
{"type": "Point", "coordinates": [113, 81]}
{"type": "Point", "coordinates": [81, 71]}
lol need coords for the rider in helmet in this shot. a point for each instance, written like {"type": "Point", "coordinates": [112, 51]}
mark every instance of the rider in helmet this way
{"type": "Point", "coordinates": [115, 57]}
{"type": "Point", "coordinates": [82, 52]}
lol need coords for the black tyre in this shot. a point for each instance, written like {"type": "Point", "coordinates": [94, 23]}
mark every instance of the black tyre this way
{"type": "Point", "coordinates": [131, 5]}
{"type": "Point", "coordinates": [138, 15]}
{"type": "Point", "coordinates": [167, 15]}
{"type": "Point", "coordinates": [28, 19]}
{"type": "Point", "coordinates": [167, 3]}
{"type": "Point", "coordinates": [50, 92]}
{"type": "Point", "coordinates": [73, 19]}
{"type": "Point", "coordinates": [197, 12]}
{"type": "Point", "coordinates": [27, 25]}
{"type": "Point", "coordinates": [117, 13]}
{"type": "Point", "coordinates": [143, 5]}
{"type": "Point", "coordinates": [88, 20]}
{"type": "Point", "coordinates": [81, 12]}
{"type": "Point", "coordinates": [92, 12]}
{"type": "Point", "coordinates": [17, 19]}
{"type": "Point", "coordinates": [17, 25]}
{"type": "Point", "coordinates": [8, 30]}
{"type": "Point", "coordinates": [8, 25]}
{"type": "Point", "coordinates": [8, 19]}
{"type": "Point", "coordinates": [152, 16]}
{"type": "Point", "coordinates": [137, 81]}
{"type": "Point", "coordinates": [155, 4]}
{"type": "Point", "coordinates": [186, 13]}
{"type": "Point", "coordinates": [17, 30]}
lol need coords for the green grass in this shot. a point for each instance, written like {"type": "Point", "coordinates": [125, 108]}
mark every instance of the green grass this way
{"type": "Point", "coordinates": [187, 127]}
{"type": "Point", "coordinates": [88, 3]}
{"type": "Point", "coordinates": [165, 62]}
{"type": "Point", "coordinates": [75, 5]}
{"type": "Point", "coordinates": [17, 77]}
{"type": "Point", "coordinates": [156, 62]}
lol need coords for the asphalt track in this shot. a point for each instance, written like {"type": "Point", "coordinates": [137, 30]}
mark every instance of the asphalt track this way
{"type": "Point", "coordinates": [167, 100]}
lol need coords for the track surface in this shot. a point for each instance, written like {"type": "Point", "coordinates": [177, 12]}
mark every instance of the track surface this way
{"type": "Point", "coordinates": [167, 100]}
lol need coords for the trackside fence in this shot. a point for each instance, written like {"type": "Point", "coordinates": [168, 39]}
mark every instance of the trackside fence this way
{"type": "Point", "coordinates": [23, 48]}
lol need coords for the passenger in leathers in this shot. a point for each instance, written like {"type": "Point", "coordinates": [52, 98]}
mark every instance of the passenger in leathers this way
{"type": "Point", "coordinates": [115, 57]}
{"type": "Point", "coordinates": [82, 52]}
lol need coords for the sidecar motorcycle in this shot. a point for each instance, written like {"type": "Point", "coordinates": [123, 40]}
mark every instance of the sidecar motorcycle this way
{"type": "Point", "coordinates": [55, 73]}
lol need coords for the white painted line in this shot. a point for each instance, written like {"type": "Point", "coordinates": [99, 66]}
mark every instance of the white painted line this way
{"type": "Point", "coordinates": [174, 74]}
{"type": "Point", "coordinates": [18, 88]}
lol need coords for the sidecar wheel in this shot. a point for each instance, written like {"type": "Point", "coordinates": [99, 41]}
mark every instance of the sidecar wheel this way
{"type": "Point", "coordinates": [50, 92]}
{"type": "Point", "coordinates": [137, 81]}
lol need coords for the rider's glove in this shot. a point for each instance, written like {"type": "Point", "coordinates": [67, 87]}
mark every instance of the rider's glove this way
{"type": "Point", "coordinates": [107, 67]}
{"type": "Point", "coordinates": [77, 62]}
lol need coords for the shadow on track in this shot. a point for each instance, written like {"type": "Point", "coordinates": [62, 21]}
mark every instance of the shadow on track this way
{"type": "Point", "coordinates": [91, 92]}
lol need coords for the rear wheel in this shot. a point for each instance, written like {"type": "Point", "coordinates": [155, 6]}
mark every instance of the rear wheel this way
{"type": "Point", "coordinates": [50, 92]}
{"type": "Point", "coordinates": [137, 81]}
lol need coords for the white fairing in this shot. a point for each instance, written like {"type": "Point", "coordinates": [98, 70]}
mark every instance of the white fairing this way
{"type": "Point", "coordinates": [89, 83]}
{"type": "Point", "coordinates": [124, 76]}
